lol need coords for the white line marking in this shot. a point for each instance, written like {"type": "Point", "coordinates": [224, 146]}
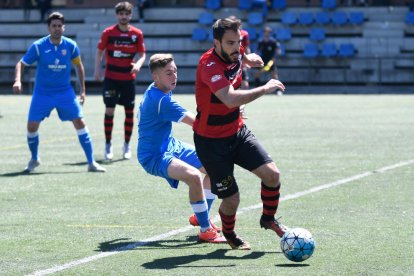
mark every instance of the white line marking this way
{"type": "Point", "coordinates": [58, 268]}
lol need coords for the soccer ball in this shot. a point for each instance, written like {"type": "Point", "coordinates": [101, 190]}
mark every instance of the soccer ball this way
{"type": "Point", "coordinates": [297, 244]}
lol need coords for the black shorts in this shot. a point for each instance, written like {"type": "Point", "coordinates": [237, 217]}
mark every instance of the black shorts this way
{"type": "Point", "coordinates": [219, 156]}
{"type": "Point", "coordinates": [119, 92]}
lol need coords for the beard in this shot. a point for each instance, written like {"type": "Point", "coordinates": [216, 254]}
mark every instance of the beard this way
{"type": "Point", "coordinates": [227, 58]}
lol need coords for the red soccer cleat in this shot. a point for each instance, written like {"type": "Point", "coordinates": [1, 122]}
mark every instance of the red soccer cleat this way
{"type": "Point", "coordinates": [194, 222]}
{"type": "Point", "coordinates": [211, 236]}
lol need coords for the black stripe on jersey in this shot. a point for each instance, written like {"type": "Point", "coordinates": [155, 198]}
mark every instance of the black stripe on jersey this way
{"type": "Point", "coordinates": [122, 40]}
{"type": "Point", "coordinates": [123, 55]}
{"type": "Point", "coordinates": [220, 120]}
{"type": "Point", "coordinates": [119, 69]}
{"type": "Point", "coordinates": [214, 99]}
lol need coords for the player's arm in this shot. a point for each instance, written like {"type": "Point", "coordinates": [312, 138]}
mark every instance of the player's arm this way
{"type": "Point", "coordinates": [234, 98]}
{"type": "Point", "coordinates": [189, 118]}
{"type": "Point", "coordinates": [80, 72]}
{"type": "Point", "coordinates": [98, 62]}
{"type": "Point", "coordinates": [17, 86]}
{"type": "Point", "coordinates": [136, 67]}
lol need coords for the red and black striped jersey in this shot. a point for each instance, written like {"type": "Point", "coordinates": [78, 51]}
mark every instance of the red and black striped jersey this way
{"type": "Point", "coordinates": [121, 48]}
{"type": "Point", "coordinates": [214, 119]}
{"type": "Point", "coordinates": [244, 38]}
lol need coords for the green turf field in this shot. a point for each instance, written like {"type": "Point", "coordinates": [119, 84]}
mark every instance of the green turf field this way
{"type": "Point", "coordinates": [66, 221]}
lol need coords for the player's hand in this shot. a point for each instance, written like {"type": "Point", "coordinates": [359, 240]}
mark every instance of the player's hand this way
{"type": "Point", "coordinates": [82, 97]}
{"type": "Point", "coordinates": [273, 85]}
{"type": "Point", "coordinates": [17, 87]}
{"type": "Point", "coordinates": [135, 68]}
{"type": "Point", "coordinates": [254, 60]}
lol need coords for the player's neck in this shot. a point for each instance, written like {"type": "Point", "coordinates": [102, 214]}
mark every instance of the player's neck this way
{"type": "Point", "coordinates": [56, 41]}
{"type": "Point", "coordinates": [123, 27]}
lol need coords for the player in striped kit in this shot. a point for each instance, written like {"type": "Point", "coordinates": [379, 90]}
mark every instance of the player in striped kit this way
{"type": "Point", "coordinates": [120, 43]}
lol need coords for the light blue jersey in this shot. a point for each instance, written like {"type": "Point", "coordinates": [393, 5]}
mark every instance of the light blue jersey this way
{"type": "Point", "coordinates": [156, 145]}
{"type": "Point", "coordinates": [54, 64]}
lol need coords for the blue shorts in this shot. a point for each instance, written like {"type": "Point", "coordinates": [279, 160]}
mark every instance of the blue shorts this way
{"type": "Point", "coordinates": [158, 164]}
{"type": "Point", "coordinates": [66, 104]}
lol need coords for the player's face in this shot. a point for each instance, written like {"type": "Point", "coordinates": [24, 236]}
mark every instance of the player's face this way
{"type": "Point", "coordinates": [56, 29]}
{"type": "Point", "coordinates": [166, 78]}
{"type": "Point", "coordinates": [229, 47]}
{"type": "Point", "coordinates": [124, 17]}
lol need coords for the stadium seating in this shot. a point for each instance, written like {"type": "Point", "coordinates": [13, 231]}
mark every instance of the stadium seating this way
{"type": "Point", "coordinates": [317, 34]}
{"type": "Point", "coordinates": [283, 34]}
{"type": "Point", "coordinates": [245, 5]}
{"type": "Point", "coordinates": [346, 50]}
{"type": "Point", "coordinates": [310, 50]}
{"type": "Point", "coordinates": [339, 18]}
{"type": "Point", "coordinates": [255, 18]}
{"type": "Point", "coordinates": [289, 18]}
{"type": "Point", "coordinates": [328, 4]}
{"type": "Point", "coordinates": [322, 18]}
{"type": "Point", "coordinates": [206, 18]}
{"type": "Point", "coordinates": [305, 18]}
{"type": "Point", "coordinates": [356, 18]}
{"type": "Point", "coordinates": [409, 18]}
{"type": "Point", "coordinates": [279, 4]}
{"type": "Point", "coordinates": [199, 34]}
{"type": "Point", "coordinates": [213, 4]}
{"type": "Point", "coordinates": [328, 50]}
{"type": "Point", "coordinates": [252, 33]}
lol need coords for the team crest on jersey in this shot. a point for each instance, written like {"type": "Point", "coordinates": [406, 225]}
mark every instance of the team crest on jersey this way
{"type": "Point", "coordinates": [64, 52]}
{"type": "Point", "coordinates": [215, 78]}
{"type": "Point", "coordinates": [134, 38]}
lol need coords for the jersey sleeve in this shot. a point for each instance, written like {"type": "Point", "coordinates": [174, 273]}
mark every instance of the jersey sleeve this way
{"type": "Point", "coordinates": [140, 43]}
{"type": "Point", "coordinates": [103, 41]}
{"type": "Point", "coordinates": [170, 110]}
{"type": "Point", "coordinates": [32, 55]}
{"type": "Point", "coordinates": [75, 52]}
{"type": "Point", "coordinates": [213, 76]}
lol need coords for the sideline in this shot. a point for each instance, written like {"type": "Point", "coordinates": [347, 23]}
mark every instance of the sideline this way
{"type": "Point", "coordinates": [92, 258]}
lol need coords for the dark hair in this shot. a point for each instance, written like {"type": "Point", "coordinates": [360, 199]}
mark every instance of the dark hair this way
{"type": "Point", "coordinates": [222, 25]}
{"type": "Point", "coordinates": [54, 16]}
{"type": "Point", "coordinates": [159, 61]}
{"type": "Point", "coordinates": [123, 6]}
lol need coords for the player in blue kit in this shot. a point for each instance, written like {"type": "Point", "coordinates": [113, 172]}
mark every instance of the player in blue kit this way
{"type": "Point", "coordinates": [161, 154]}
{"type": "Point", "coordinates": [55, 55]}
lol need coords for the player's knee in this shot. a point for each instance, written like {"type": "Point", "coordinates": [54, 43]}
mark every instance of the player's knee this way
{"type": "Point", "coordinates": [232, 201]}
{"type": "Point", "coordinates": [272, 178]}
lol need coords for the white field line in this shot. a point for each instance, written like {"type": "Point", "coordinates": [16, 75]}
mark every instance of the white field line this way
{"type": "Point", "coordinates": [131, 246]}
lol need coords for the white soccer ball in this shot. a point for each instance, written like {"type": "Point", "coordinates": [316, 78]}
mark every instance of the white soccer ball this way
{"type": "Point", "coordinates": [297, 244]}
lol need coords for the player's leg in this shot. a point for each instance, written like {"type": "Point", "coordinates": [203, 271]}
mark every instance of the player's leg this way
{"type": "Point", "coordinates": [127, 99]}
{"type": "Point", "coordinates": [182, 171]}
{"type": "Point", "coordinates": [33, 143]}
{"type": "Point", "coordinates": [110, 98]}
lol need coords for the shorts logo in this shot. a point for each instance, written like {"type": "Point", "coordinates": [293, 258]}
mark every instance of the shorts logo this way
{"type": "Point", "coordinates": [225, 183]}
{"type": "Point", "coordinates": [215, 78]}
{"type": "Point", "coordinates": [109, 93]}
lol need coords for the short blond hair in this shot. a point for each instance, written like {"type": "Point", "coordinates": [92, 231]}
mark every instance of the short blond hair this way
{"type": "Point", "coordinates": [159, 61]}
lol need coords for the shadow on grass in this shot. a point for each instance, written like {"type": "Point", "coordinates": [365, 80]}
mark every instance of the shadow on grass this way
{"type": "Point", "coordinates": [292, 265]}
{"type": "Point", "coordinates": [100, 161]}
{"type": "Point", "coordinates": [124, 244]}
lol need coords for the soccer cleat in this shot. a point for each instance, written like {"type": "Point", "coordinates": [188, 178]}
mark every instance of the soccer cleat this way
{"type": "Point", "coordinates": [108, 151]}
{"type": "Point", "coordinates": [274, 225]}
{"type": "Point", "coordinates": [126, 149]}
{"type": "Point", "coordinates": [32, 165]}
{"type": "Point", "coordinates": [236, 242]}
{"type": "Point", "coordinates": [95, 167]}
{"type": "Point", "coordinates": [194, 222]}
{"type": "Point", "coordinates": [211, 236]}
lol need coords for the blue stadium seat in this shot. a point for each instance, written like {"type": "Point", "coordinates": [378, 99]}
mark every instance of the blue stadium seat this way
{"type": "Point", "coordinates": [283, 34]}
{"type": "Point", "coordinates": [199, 34]}
{"type": "Point", "coordinates": [356, 18]}
{"type": "Point", "coordinates": [213, 4]}
{"type": "Point", "coordinates": [322, 18]}
{"type": "Point", "coordinates": [252, 33]}
{"type": "Point", "coordinates": [305, 18]}
{"type": "Point", "coordinates": [279, 4]}
{"type": "Point", "coordinates": [347, 50]}
{"type": "Point", "coordinates": [310, 50]}
{"type": "Point", "coordinates": [245, 5]}
{"type": "Point", "coordinates": [289, 18]}
{"type": "Point", "coordinates": [317, 34]}
{"type": "Point", "coordinates": [206, 18]}
{"type": "Point", "coordinates": [329, 50]}
{"type": "Point", "coordinates": [255, 18]}
{"type": "Point", "coordinates": [409, 18]}
{"type": "Point", "coordinates": [328, 4]}
{"type": "Point", "coordinates": [339, 18]}
{"type": "Point", "coordinates": [262, 4]}
{"type": "Point", "coordinates": [282, 49]}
